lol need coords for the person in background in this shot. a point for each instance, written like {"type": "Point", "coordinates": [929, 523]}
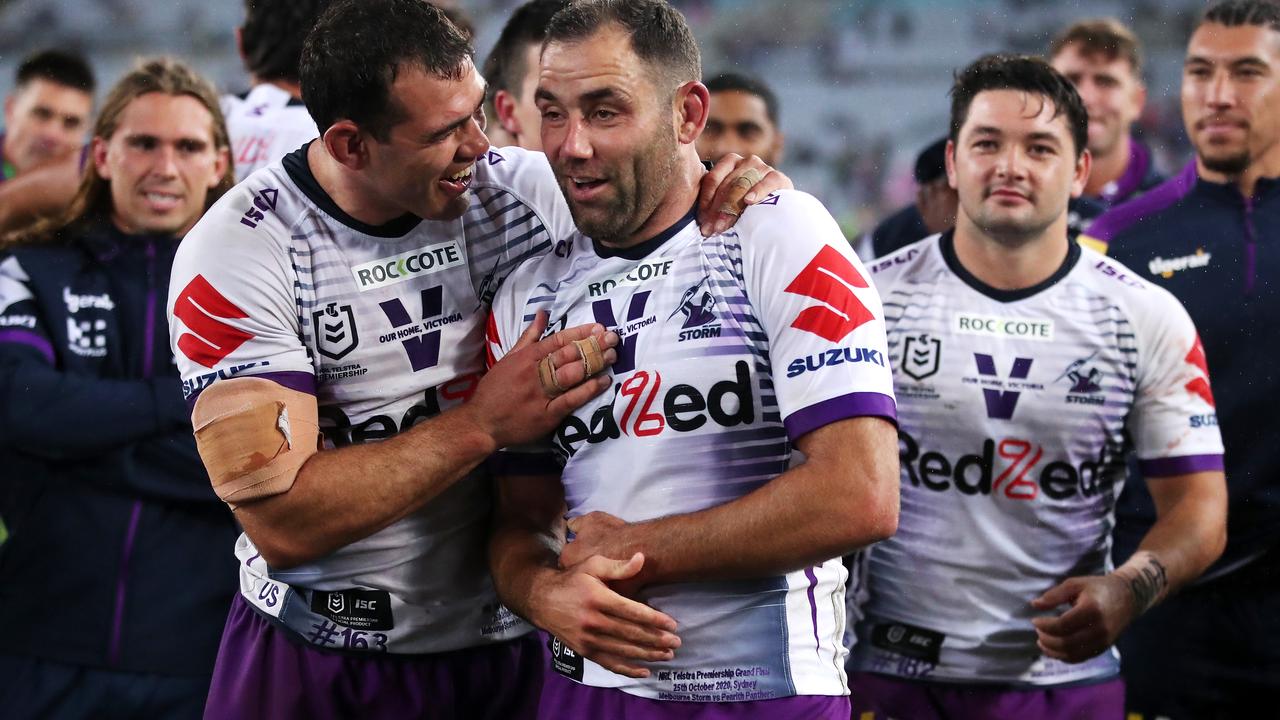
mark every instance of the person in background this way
{"type": "Point", "coordinates": [115, 579]}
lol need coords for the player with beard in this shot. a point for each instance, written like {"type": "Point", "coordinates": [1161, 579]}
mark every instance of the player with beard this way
{"type": "Point", "coordinates": [1209, 235]}
{"type": "Point", "coordinates": [327, 316]}
{"type": "Point", "coordinates": [1027, 369]}
{"type": "Point", "coordinates": [682, 480]}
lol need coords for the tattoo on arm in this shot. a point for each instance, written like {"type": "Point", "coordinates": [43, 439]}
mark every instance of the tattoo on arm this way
{"type": "Point", "coordinates": [1148, 584]}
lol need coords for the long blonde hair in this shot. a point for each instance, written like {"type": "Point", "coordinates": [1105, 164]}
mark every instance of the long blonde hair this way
{"type": "Point", "coordinates": [93, 197]}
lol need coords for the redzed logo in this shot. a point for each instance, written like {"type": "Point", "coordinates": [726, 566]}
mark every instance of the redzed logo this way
{"type": "Point", "coordinates": [1200, 386]}
{"type": "Point", "coordinates": [199, 306]}
{"type": "Point", "coordinates": [828, 278]}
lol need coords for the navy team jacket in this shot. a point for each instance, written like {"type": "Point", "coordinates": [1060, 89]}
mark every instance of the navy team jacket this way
{"type": "Point", "coordinates": [118, 555]}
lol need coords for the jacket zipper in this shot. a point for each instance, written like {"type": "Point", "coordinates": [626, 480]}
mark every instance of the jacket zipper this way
{"type": "Point", "coordinates": [135, 514]}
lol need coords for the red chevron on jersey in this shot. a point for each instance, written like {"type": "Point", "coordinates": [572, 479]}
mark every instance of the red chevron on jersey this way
{"type": "Point", "coordinates": [828, 278]}
{"type": "Point", "coordinates": [210, 340]}
{"type": "Point", "coordinates": [1200, 385]}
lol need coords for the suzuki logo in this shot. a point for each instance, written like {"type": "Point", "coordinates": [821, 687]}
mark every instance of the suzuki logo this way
{"type": "Point", "coordinates": [199, 306]}
{"type": "Point", "coordinates": [829, 278]}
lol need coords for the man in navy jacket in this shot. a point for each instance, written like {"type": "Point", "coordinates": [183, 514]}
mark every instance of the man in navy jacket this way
{"type": "Point", "coordinates": [114, 578]}
{"type": "Point", "coordinates": [1210, 235]}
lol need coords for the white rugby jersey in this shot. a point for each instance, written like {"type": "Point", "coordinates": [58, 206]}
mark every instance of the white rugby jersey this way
{"type": "Point", "coordinates": [1017, 411]}
{"type": "Point", "coordinates": [732, 347]}
{"type": "Point", "coordinates": [385, 325]}
{"type": "Point", "coordinates": [264, 126]}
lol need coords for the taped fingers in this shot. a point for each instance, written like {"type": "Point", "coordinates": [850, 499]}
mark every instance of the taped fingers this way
{"type": "Point", "coordinates": [592, 355]}
{"type": "Point", "coordinates": [253, 436]}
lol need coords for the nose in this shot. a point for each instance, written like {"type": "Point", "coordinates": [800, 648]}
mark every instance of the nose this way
{"type": "Point", "coordinates": [1221, 93]}
{"type": "Point", "coordinates": [577, 144]}
{"type": "Point", "coordinates": [166, 161]}
{"type": "Point", "coordinates": [1011, 163]}
{"type": "Point", "coordinates": [476, 142]}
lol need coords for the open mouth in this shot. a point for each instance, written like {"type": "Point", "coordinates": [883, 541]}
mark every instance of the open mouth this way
{"type": "Point", "coordinates": [458, 182]}
{"type": "Point", "coordinates": [585, 187]}
{"type": "Point", "coordinates": [161, 201]}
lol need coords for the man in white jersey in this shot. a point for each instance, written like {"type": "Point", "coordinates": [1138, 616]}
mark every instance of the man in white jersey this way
{"type": "Point", "coordinates": [1027, 369]}
{"type": "Point", "coordinates": [342, 292]}
{"type": "Point", "coordinates": [270, 120]}
{"type": "Point", "coordinates": [682, 483]}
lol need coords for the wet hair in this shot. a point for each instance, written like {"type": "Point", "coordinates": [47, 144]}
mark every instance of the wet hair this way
{"type": "Point", "coordinates": [353, 55]}
{"type": "Point", "coordinates": [1236, 13]}
{"type": "Point", "coordinates": [660, 36]}
{"type": "Point", "coordinates": [56, 66]}
{"type": "Point", "coordinates": [272, 35]}
{"type": "Point", "coordinates": [733, 81]}
{"type": "Point", "coordinates": [1022, 73]}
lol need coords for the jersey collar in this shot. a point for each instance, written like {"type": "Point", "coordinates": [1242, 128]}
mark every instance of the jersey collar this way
{"type": "Point", "coordinates": [947, 245]}
{"type": "Point", "coordinates": [644, 249]}
{"type": "Point", "coordinates": [295, 163]}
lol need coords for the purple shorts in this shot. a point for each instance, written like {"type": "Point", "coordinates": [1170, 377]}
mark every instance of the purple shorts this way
{"type": "Point", "coordinates": [878, 696]}
{"type": "Point", "coordinates": [263, 672]}
{"type": "Point", "coordinates": [564, 699]}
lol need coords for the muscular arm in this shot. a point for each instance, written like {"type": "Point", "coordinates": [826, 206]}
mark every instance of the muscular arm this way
{"type": "Point", "coordinates": [844, 497]}
{"type": "Point", "coordinates": [341, 496]}
{"type": "Point", "coordinates": [1189, 534]}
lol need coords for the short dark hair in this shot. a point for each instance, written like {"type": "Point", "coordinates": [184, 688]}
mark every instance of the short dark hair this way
{"type": "Point", "coordinates": [272, 35]}
{"type": "Point", "coordinates": [733, 81]}
{"type": "Point", "coordinates": [660, 36]}
{"type": "Point", "coordinates": [358, 48]}
{"type": "Point", "coordinates": [56, 66]}
{"type": "Point", "coordinates": [1024, 73]}
{"type": "Point", "coordinates": [527, 26]}
{"type": "Point", "coordinates": [1106, 37]}
{"type": "Point", "coordinates": [1234, 13]}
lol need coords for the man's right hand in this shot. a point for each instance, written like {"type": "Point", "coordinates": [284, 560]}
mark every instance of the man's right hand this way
{"type": "Point", "coordinates": [577, 606]}
{"type": "Point", "coordinates": [511, 403]}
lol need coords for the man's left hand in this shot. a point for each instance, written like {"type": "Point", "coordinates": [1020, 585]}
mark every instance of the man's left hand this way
{"type": "Point", "coordinates": [1101, 607]}
{"type": "Point", "coordinates": [599, 533]}
{"type": "Point", "coordinates": [734, 183]}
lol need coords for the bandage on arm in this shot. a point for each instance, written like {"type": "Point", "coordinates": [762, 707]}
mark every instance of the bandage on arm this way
{"type": "Point", "coordinates": [253, 436]}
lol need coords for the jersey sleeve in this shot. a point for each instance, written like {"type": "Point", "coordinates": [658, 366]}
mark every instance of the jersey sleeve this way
{"type": "Point", "coordinates": [21, 327]}
{"type": "Point", "coordinates": [1173, 423]}
{"type": "Point", "coordinates": [527, 175]}
{"type": "Point", "coordinates": [508, 319]}
{"type": "Point", "coordinates": [821, 314]}
{"type": "Point", "coordinates": [232, 304]}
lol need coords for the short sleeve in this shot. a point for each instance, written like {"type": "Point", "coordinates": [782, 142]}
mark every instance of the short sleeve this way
{"type": "Point", "coordinates": [21, 327]}
{"type": "Point", "coordinates": [232, 306]}
{"type": "Point", "coordinates": [823, 317]}
{"type": "Point", "coordinates": [1173, 422]}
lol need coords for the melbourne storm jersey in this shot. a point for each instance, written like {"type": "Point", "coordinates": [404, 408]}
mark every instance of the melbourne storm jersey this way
{"type": "Point", "coordinates": [732, 347]}
{"type": "Point", "coordinates": [385, 325]}
{"type": "Point", "coordinates": [264, 126]}
{"type": "Point", "coordinates": [1017, 411]}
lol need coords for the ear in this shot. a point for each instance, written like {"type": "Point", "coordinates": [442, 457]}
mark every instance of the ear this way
{"type": "Point", "coordinates": [8, 110]}
{"type": "Point", "coordinates": [240, 43]}
{"type": "Point", "coordinates": [692, 107]}
{"type": "Point", "coordinates": [1140, 96]}
{"type": "Point", "coordinates": [779, 146]}
{"type": "Point", "coordinates": [98, 150]}
{"type": "Point", "coordinates": [347, 144]}
{"type": "Point", "coordinates": [504, 105]}
{"type": "Point", "coordinates": [221, 161]}
{"type": "Point", "coordinates": [951, 165]}
{"type": "Point", "coordinates": [1083, 166]}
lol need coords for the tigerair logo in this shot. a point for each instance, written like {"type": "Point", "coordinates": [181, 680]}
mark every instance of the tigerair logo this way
{"type": "Point", "coordinates": [406, 266]}
{"type": "Point", "coordinates": [1167, 267]}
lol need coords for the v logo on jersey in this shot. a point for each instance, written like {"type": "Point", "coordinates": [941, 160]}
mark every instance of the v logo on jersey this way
{"type": "Point", "coordinates": [1001, 403]}
{"type": "Point", "coordinates": [199, 306]}
{"type": "Point", "coordinates": [1200, 385]}
{"type": "Point", "coordinates": [829, 278]}
{"type": "Point", "coordinates": [603, 311]}
{"type": "Point", "coordinates": [423, 349]}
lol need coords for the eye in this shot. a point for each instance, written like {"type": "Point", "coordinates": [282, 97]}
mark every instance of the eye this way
{"type": "Point", "coordinates": [1041, 150]}
{"type": "Point", "coordinates": [190, 147]}
{"type": "Point", "coordinates": [142, 143]}
{"type": "Point", "coordinates": [984, 145]}
{"type": "Point", "coordinates": [603, 114]}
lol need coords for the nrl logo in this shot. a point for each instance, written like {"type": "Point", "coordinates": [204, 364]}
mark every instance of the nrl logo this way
{"type": "Point", "coordinates": [335, 329]}
{"type": "Point", "coordinates": [921, 356]}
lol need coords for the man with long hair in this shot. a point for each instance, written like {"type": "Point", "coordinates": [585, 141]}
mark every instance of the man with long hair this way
{"type": "Point", "coordinates": [116, 544]}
